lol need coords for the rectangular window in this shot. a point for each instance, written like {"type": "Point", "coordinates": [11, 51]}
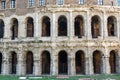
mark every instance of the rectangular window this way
{"type": "Point", "coordinates": [100, 2]}
{"type": "Point", "coordinates": [12, 3]}
{"type": "Point", "coordinates": [41, 2]}
{"type": "Point", "coordinates": [31, 3]}
{"type": "Point", "coordinates": [118, 2]}
{"type": "Point", "coordinates": [2, 4]}
{"type": "Point", "coordinates": [81, 2]}
{"type": "Point", "coordinates": [60, 2]}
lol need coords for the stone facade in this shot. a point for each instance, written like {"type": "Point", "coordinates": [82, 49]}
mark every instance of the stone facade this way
{"type": "Point", "coordinates": [60, 39]}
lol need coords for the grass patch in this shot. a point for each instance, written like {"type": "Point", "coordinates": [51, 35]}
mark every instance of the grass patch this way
{"type": "Point", "coordinates": [2, 77]}
{"type": "Point", "coordinates": [91, 77]}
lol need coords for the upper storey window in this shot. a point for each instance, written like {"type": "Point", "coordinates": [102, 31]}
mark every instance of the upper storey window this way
{"type": "Point", "coordinates": [81, 1]}
{"type": "Point", "coordinates": [31, 3]}
{"type": "Point", "coordinates": [12, 3]}
{"type": "Point", "coordinates": [118, 2]}
{"type": "Point", "coordinates": [100, 2]}
{"type": "Point", "coordinates": [3, 4]}
{"type": "Point", "coordinates": [41, 2]}
{"type": "Point", "coordinates": [60, 2]}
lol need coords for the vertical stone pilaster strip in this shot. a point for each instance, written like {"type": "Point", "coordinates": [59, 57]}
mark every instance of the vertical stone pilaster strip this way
{"type": "Point", "coordinates": [5, 64]}
{"type": "Point", "coordinates": [85, 27]}
{"type": "Point", "coordinates": [53, 26]}
{"type": "Point", "coordinates": [117, 28]}
{"type": "Point", "coordinates": [105, 30]}
{"type": "Point", "coordinates": [106, 64]}
{"type": "Point", "coordinates": [87, 65]}
{"type": "Point", "coordinates": [37, 68]}
{"type": "Point", "coordinates": [54, 63]}
{"type": "Point", "coordinates": [117, 62]}
{"type": "Point", "coordinates": [102, 26]}
{"type": "Point", "coordinates": [89, 62]}
{"type": "Point", "coordinates": [118, 69]}
{"type": "Point", "coordinates": [70, 26]}
{"type": "Point", "coordinates": [71, 64]}
{"type": "Point", "coordinates": [89, 35]}
{"type": "Point", "coordinates": [22, 28]}
{"type": "Point", "coordinates": [7, 30]}
{"type": "Point", "coordinates": [36, 29]}
{"type": "Point", "coordinates": [102, 65]}
{"type": "Point", "coordinates": [21, 64]}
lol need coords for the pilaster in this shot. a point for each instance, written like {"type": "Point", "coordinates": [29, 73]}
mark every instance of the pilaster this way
{"type": "Point", "coordinates": [36, 29]}
{"type": "Point", "coordinates": [21, 29]}
{"type": "Point", "coordinates": [105, 30]}
{"type": "Point", "coordinates": [118, 63]}
{"type": "Point", "coordinates": [53, 27]}
{"type": "Point", "coordinates": [89, 62]}
{"type": "Point", "coordinates": [21, 65]}
{"type": "Point", "coordinates": [5, 64]}
{"type": "Point", "coordinates": [106, 65]}
{"type": "Point", "coordinates": [71, 64]}
{"type": "Point", "coordinates": [89, 35]}
{"type": "Point", "coordinates": [71, 26]}
{"type": "Point", "coordinates": [37, 62]}
{"type": "Point", "coordinates": [7, 29]}
{"type": "Point", "coordinates": [54, 63]}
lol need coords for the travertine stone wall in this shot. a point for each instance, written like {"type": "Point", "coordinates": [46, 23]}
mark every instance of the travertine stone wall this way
{"type": "Point", "coordinates": [54, 44]}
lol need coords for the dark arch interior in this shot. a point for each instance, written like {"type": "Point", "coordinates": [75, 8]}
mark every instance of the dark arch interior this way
{"type": "Point", "coordinates": [95, 27]}
{"type": "Point", "coordinates": [14, 62]}
{"type": "Point", "coordinates": [63, 63]}
{"type": "Point", "coordinates": [112, 61]}
{"type": "Point", "coordinates": [97, 62]}
{"type": "Point", "coordinates": [30, 27]}
{"type": "Point", "coordinates": [62, 26]}
{"type": "Point", "coordinates": [79, 26]}
{"type": "Point", "coordinates": [14, 29]}
{"type": "Point", "coordinates": [29, 62]}
{"type": "Point", "coordinates": [45, 62]}
{"type": "Point", "coordinates": [111, 26]}
{"type": "Point", "coordinates": [46, 26]}
{"type": "Point", "coordinates": [1, 28]}
{"type": "Point", "coordinates": [80, 62]}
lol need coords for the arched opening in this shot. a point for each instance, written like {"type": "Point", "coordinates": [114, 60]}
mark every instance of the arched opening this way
{"type": "Point", "coordinates": [63, 62]}
{"type": "Point", "coordinates": [62, 26]}
{"type": "Point", "coordinates": [30, 27]}
{"type": "Point", "coordinates": [78, 26]}
{"type": "Point", "coordinates": [29, 63]}
{"type": "Point", "coordinates": [112, 26]}
{"type": "Point", "coordinates": [97, 62]}
{"type": "Point", "coordinates": [46, 26]}
{"type": "Point", "coordinates": [1, 62]}
{"type": "Point", "coordinates": [13, 62]}
{"type": "Point", "coordinates": [95, 26]}
{"type": "Point", "coordinates": [80, 62]}
{"type": "Point", "coordinates": [1, 28]}
{"type": "Point", "coordinates": [14, 29]}
{"type": "Point", "coordinates": [45, 62]}
{"type": "Point", "coordinates": [112, 61]}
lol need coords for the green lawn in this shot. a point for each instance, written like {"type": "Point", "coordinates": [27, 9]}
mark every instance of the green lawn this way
{"type": "Point", "coordinates": [8, 77]}
{"type": "Point", "coordinates": [92, 77]}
